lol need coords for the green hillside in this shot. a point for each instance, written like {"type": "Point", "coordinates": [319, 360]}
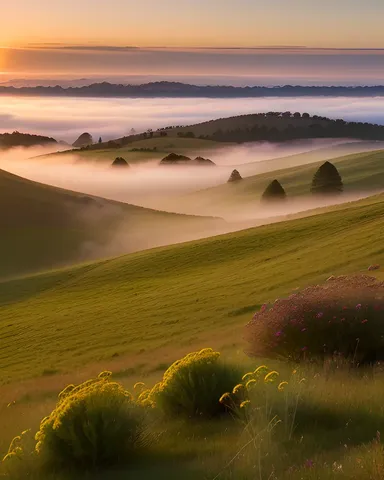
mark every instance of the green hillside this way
{"type": "Point", "coordinates": [361, 172]}
{"type": "Point", "coordinates": [142, 150]}
{"type": "Point", "coordinates": [44, 227]}
{"type": "Point", "coordinates": [158, 303]}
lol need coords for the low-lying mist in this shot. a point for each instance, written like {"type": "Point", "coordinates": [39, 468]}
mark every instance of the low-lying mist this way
{"type": "Point", "coordinates": [178, 189]}
{"type": "Point", "coordinates": [66, 118]}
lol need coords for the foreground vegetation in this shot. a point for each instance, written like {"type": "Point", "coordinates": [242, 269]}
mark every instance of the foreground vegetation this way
{"type": "Point", "coordinates": [291, 422]}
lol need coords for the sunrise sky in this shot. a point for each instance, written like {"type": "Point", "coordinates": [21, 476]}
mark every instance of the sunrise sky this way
{"type": "Point", "coordinates": [184, 37]}
{"type": "Point", "coordinates": [313, 23]}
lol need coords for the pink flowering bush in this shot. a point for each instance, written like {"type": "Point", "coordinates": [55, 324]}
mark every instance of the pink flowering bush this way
{"type": "Point", "coordinates": [342, 318]}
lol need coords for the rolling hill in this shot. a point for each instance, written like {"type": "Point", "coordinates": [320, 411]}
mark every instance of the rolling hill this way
{"type": "Point", "coordinates": [157, 303]}
{"type": "Point", "coordinates": [361, 172]}
{"type": "Point", "coordinates": [43, 227]}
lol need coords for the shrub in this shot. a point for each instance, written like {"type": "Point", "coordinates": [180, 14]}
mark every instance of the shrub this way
{"type": "Point", "coordinates": [193, 385]}
{"type": "Point", "coordinates": [94, 424]}
{"type": "Point", "coordinates": [274, 192]}
{"type": "Point", "coordinates": [343, 318]}
{"type": "Point", "coordinates": [327, 180]}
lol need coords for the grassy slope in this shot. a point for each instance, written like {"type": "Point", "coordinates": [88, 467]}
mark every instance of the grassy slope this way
{"type": "Point", "coordinates": [176, 298]}
{"type": "Point", "coordinates": [163, 145]}
{"type": "Point", "coordinates": [360, 172]}
{"type": "Point", "coordinates": [42, 226]}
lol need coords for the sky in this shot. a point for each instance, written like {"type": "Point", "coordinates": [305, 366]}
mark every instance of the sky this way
{"type": "Point", "coordinates": [241, 23]}
{"type": "Point", "coordinates": [314, 41]}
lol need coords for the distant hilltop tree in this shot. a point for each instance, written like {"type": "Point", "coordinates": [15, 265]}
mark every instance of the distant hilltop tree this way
{"type": "Point", "coordinates": [100, 140]}
{"type": "Point", "coordinates": [235, 176]}
{"type": "Point", "coordinates": [84, 140]}
{"type": "Point", "coordinates": [176, 159]}
{"type": "Point", "coordinates": [120, 162]}
{"type": "Point", "coordinates": [327, 180]}
{"type": "Point", "coordinates": [274, 192]}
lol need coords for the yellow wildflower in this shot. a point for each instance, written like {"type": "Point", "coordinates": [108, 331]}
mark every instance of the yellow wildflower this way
{"type": "Point", "coordinates": [262, 370]}
{"type": "Point", "coordinates": [245, 403]}
{"type": "Point", "coordinates": [225, 398]}
{"type": "Point", "coordinates": [238, 389]}
{"type": "Point", "coordinates": [250, 384]}
{"type": "Point", "coordinates": [247, 376]}
{"type": "Point", "coordinates": [282, 386]}
{"type": "Point", "coordinates": [271, 377]}
{"type": "Point", "coordinates": [139, 385]}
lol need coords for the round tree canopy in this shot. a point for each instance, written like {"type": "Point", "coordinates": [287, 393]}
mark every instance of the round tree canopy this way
{"type": "Point", "coordinates": [327, 180]}
{"type": "Point", "coordinates": [120, 162]}
{"type": "Point", "coordinates": [84, 140]}
{"type": "Point", "coordinates": [274, 192]}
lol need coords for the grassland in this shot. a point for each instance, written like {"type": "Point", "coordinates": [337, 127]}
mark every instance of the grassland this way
{"type": "Point", "coordinates": [44, 227]}
{"type": "Point", "coordinates": [361, 172]}
{"type": "Point", "coordinates": [154, 149]}
{"type": "Point", "coordinates": [185, 295]}
{"type": "Point", "coordinates": [136, 314]}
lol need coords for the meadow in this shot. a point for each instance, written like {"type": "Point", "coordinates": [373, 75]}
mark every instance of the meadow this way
{"type": "Point", "coordinates": [136, 314]}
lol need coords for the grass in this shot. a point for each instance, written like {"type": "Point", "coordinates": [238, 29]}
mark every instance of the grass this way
{"type": "Point", "coordinates": [163, 146]}
{"type": "Point", "coordinates": [196, 292]}
{"type": "Point", "coordinates": [44, 227]}
{"type": "Point", "coordinates": [361, 172]}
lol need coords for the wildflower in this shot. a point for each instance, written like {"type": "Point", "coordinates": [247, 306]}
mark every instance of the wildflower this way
{"type": "Point", "coordinates": [281, 386]}
{"type": "Point", "coordinates": [337, 467]}
{"type": "Point", "coordinates": [304, 349]}
{"type": "Point", "coordinates": [225, 398]}
{"type": "Point", "coordinates": [271, 377]}
{"type": "Point", "coordinates": [358, 306]}
{"type": "Point", "coordinates": [238, 389]}
{"type": "Point", "coordinates": [139, 385]}
{"type": "Point", "coordinates": [262, 370]}
{"type": "Point", "coordinates": [303, 329]}
{"type": "Point", "coordinates": [364, 321]}
{"type": "Point", "coordinates": [319, 315]}
{"type": "Point", "coordinates": [309, 464]}
{"type": "Point", "coordinates": [279, 333]}
{"type": "Point", "coordinates": [294, 372]}
{"type": "Point", "coordinates": [245, 403]}
{"type": "Point", "coordinates": [247, 376]}
{"type": "Point", "coordinates": [263, 307]}
{"type": "Point", "coordinates": [249, 385]}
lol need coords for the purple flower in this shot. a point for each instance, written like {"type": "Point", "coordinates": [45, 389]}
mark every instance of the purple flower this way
{"type": "Point", "coordinates": [279, 333]}
{"type": "Point", "coordinates": [358, 306]}
{"type": "Point", "coordinates": [319, 315]}
{"type": "Point", "coordinates": [364, 321]}
{"type": "Point", "coordinates": [309, 464]}
{"type": "Point", "coordinates": [303, 329]}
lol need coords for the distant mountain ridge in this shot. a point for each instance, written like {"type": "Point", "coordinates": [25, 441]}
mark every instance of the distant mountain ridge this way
{"type": "Point", "coordinates": [178, 89]}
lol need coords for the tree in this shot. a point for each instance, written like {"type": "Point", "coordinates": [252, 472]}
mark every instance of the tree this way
{"type": "Point", "coordinates": [235, 176]}
{"type": "Point", "coordinates": [100, 140]}
{"type": "Point", "coordinates": [274, 192]}
{"type": "Point", "coordinates": [120, 162]}
{"type": "Point", "coordinates": [327, 180]}
{"type": "Point", "coordinates": [84, 140]}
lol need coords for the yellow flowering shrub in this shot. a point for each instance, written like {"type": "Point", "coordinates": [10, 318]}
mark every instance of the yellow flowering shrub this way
{"type": "Point", "coordinates": [193, 385]}
{"type": "Point", "coordinates": [93, 424]}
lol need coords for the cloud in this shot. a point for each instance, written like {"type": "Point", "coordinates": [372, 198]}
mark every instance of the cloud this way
{"type": "Point", "coordinates": [66, 118]}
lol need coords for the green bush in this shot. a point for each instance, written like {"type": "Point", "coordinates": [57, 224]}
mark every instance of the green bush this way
{"type": "Point", "coordinates": [193, 385]}
{"type": "Point", "coordinates": [342, 319]}
{"type": "Point", "coordinates": [95, 424]}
